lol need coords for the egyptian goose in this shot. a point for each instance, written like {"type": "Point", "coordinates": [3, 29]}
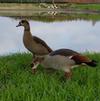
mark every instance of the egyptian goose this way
{"type": "Point", "coordinates": [34, 44]}
{"type": "Point", "coordinates": [65, 60]}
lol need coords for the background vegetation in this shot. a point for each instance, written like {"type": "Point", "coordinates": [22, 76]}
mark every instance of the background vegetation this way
{"type": "Point", "coordinates": [20, 1]}
{"type": "Point", "coordinates": [59, 1]}
{"type": "Point", "coordinates": [48, 6]}
{"type": "Point", "coordinates": [24, 1]}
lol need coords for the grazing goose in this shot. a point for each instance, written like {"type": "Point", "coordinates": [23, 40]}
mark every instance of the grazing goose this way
{"type": "Point", "coordinates": [34, 44]}
{"type": "Point", "coordinates": [65, 60]}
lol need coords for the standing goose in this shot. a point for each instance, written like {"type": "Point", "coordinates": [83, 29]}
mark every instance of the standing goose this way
{"type": "Point", "coordinates": [65, 60]}
{"type": "Point", "coordinates": [34, 44]}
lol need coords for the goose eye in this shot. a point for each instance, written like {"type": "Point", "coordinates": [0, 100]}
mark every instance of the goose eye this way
{"type": "Point", "coordinates": [22, 21]}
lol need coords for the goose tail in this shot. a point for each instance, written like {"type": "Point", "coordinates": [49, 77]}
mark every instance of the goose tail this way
{"type": "Point", "coordinates": [93, 63]}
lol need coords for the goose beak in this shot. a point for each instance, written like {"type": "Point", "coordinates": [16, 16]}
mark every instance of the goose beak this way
{"type": "Point", "coordinates": [18, 25]}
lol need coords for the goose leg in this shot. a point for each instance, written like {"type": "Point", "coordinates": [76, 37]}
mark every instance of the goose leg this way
{"type": "Point", "coordinates": [68, 74]}
{"type": "Point", "coordinates": [35, 65]}
{"type": "Point", "coordinates": [33, 58]}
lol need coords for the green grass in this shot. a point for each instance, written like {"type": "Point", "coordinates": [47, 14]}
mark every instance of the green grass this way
{"type": "Point", "coordinates": [80, 6]}
{"type": "Point", "coordinates": [86, 6]}
{"type": "Point", "coordinates": [17, 83]}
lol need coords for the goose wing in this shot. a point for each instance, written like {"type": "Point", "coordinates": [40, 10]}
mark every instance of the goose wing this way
{"type": "Point", "coordinates": [39, 41]}
{"type": "Point", "coordinates": [64, 52]}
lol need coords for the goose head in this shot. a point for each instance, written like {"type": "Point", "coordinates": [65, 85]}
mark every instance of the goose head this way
{"type": "Point", "coordinates": [23, 23]}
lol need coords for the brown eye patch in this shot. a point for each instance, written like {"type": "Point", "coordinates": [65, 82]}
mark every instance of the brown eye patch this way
{"type": "Point", "coordinates": [22, 21]}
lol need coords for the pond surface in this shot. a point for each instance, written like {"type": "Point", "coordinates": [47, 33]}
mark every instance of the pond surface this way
{"type": "Point", "coordinates": [80, 35]}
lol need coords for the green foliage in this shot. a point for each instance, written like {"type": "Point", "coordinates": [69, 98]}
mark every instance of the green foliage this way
{"type": "Point", "coordinates": [87, 6]}
{"type": "Point", "coordinates": [17, 83]}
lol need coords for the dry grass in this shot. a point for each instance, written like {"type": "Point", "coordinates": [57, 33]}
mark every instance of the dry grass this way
{"type": "Point", "coordinates": [17, 6]}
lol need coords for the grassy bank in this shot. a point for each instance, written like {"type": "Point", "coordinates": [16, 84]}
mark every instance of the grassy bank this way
{"type": "Point", "coordinates": [17, 83]}
{"type": "Point", "coordinates": [42, 6]}
{"type": "Point", "coordinates": [85, 6]}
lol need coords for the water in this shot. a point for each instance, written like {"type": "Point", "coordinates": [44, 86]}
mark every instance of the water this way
{"type": "Point", "coordinates": [80, 35]}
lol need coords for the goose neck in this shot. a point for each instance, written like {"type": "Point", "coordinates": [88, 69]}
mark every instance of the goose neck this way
{"type": "Point", "coordinates": [27, 28]}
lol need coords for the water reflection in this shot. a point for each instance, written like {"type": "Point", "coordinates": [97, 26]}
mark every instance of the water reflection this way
{"type": "Point", "coordinates": [79, 35]}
